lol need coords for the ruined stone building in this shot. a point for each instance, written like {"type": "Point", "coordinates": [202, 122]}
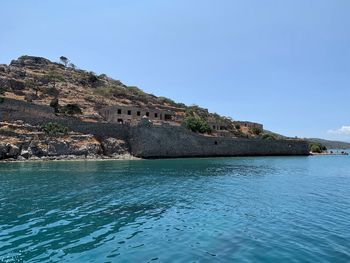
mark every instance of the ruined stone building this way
{"type": "Point", "coordinates": [132, 114]}
{"type": "Point", "coordinates": [250, 125]}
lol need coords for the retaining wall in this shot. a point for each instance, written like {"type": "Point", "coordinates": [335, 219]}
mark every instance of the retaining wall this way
{"type": "Point", "coordinates": [155, 141]}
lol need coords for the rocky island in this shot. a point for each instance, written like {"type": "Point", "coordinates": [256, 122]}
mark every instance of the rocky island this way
{"type": "Point", "coordinates": [52, 110]}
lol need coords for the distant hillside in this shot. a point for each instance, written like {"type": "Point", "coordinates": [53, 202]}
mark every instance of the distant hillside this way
{"type": "Point", "coordinates": [330, 144]}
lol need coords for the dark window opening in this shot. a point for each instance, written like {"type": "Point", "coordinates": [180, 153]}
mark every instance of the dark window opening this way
{"type": "Point", "coordinates": [213, 127]}
{"type": "Point", "coordinates": [216, 143]}
{"type": "Point", "coordinates": [129, 112]}
{"type": "Point", "coordinates": [147, 114]}
{"type": "Point", "coordinates": [119, 111]}
{"type": "Point", "coordinates": [120, 120]}
{"type": "Point", "coordinates": [167, 117]}
{"type": "Point", "coordinates": [138, 113]}
{"type": "Point", "coordinates": [155, 115]}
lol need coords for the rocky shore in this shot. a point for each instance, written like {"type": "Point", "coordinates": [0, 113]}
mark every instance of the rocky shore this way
{"type": "Point", "coordinates": [20, 142]}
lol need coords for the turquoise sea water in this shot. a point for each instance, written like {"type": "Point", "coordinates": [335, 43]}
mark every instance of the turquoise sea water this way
{"type": "Point", "coordinates": [266, 209]}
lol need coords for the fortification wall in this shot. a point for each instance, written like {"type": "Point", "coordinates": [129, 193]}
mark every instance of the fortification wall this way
{"type": "Point", "coordinates": [13, 110]}
{"type": "Point", "coordinates": [155, 141]}
{"type": "Point", "coordinates": [173, 142]}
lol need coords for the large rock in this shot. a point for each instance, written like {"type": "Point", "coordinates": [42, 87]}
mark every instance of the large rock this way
{"type": "Point", "coordinates": [37, 148]}
{"type": "Point", "coordinates": [78, 148]}
{"type": "Point", "coordinates": [14, 151]}
{"type": "Point", "coordinates": [8, 150]}
{"type": "Point", "coordinates": [3, 68]}
{"type": "Point", "coordinates": [113, 147]}
{"type": "Point", "coordinates": [4, 149]}
{"type": "Point", "coordinates": [12, 84]}
{"type": "Point", "coordinates": [30, 62]}
{"type": "Point", "coordinates": [17, 73]}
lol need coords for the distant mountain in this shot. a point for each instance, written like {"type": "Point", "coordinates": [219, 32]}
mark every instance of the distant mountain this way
{"type": "Point", "coordinates": [330, 144]}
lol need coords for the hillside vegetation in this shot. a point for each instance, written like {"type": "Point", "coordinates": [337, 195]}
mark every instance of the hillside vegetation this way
{"type": "Point", "coordinates": [40, 81]}
{"type": "Point", "coordinates": [80, 93]}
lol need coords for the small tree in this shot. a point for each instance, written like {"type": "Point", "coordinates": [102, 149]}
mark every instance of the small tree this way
{"type": "Point", "coordinates": [71, 109]}
{"type": "Point", "coordinates": [64, 60]}
{"type": "Point", "coordinates": [315, 149]}
{"type": "Point", "coordinates": [72, 66]}
{"type": "Point", "coordinates": [196, 124]}
{"type": "Point", "coordinates": [54, 104]}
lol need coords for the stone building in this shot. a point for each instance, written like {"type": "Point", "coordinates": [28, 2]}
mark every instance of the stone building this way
{"type": "Point", "coordinates": [217, 126]}
{"type": "Point", "coordinates": [133, 114]}
{"type": "Point", "coordinates": [250, 125]}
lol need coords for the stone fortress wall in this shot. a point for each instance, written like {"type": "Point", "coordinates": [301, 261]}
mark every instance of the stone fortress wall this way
{"type": "Point", "coordinates": [155, 141]}
{"type": "Point", "coordinates": [176, 142]}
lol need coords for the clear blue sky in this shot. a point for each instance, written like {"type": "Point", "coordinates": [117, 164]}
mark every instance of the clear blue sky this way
{"type": "Point", "coordinates": [285, 63]}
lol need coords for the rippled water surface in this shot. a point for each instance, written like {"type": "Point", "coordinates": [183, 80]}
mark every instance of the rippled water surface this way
{"type": "Point", "coordinates": [267, 209]}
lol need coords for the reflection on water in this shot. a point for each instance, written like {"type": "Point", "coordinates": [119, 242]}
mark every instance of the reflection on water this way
{"type": "Point", "coordinates": [194, 210]}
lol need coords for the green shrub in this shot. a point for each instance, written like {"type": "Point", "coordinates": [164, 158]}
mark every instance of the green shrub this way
{"type": "Point", "coordinates": [196, 124]}
{"type": "Point", "coordinates": [267, 136]}
{"type": "Point", "coordinates": [54, 129]}
{"type": "Point", "coordinates": [237, 126]}
{"type": "Point", "coordinates": [317, 147]}
{"type": "Point", "coordinates": [92, 78]}
{"type": "Point", "coordinates": [103, 76]}
{"type": "Point", "coordinates": [136, 91]}
{"type": "Point", "coordinates": [71, 109]}
{"type": "Point", "coordinates": [256, 131]}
